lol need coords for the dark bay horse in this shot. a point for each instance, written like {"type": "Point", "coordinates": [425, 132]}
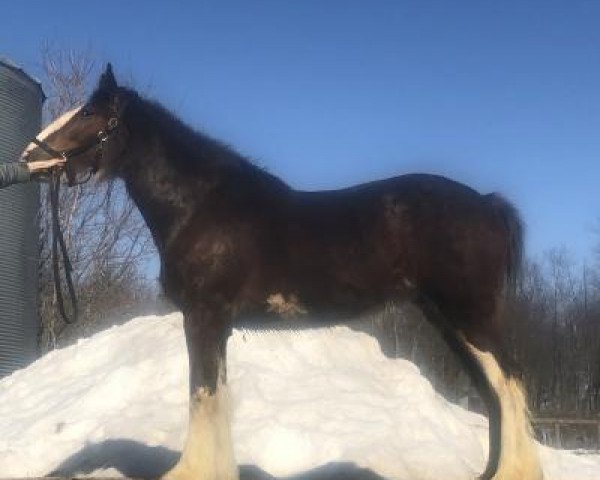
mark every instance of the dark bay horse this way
{"type": "Point", "coordinates": [236, 242]}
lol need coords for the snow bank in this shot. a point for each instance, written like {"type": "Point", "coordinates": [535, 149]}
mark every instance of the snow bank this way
{"type": "Point", "coordinates": [116, 403]}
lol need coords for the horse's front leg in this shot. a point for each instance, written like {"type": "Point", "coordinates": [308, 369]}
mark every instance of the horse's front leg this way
{"type": "Point", "coordinates": [208, 451]}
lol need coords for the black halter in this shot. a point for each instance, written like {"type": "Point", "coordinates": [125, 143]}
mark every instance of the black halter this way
{"type": "Point", "coordinates": [58, 241]}
{"type": "Point", "coordinates": [101, 137]}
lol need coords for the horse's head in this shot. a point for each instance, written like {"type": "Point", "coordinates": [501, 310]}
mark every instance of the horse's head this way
{"type": "Point", "coordinates": [86, 136]}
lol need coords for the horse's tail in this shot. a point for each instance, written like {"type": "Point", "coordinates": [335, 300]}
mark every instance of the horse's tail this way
{"type": "Point", "coordinates": [515, 232]}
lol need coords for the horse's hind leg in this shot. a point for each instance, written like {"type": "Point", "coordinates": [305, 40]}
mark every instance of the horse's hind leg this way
{"type": "Point", "coordinates": [208, 450]}
{"type": "Point", "coordinates": [512, 451]}
{"type": "Point", "coordinates": [518, 455]}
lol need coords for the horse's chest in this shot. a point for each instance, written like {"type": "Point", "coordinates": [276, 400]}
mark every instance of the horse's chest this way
{"type": "Point", "coordinates": [201, 262]}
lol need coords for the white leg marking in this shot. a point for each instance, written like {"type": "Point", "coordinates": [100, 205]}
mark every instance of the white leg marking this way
{"type": "Point", "coordinates": [519, 458]}
{"type": "Point", "coordinates": [208, 451]}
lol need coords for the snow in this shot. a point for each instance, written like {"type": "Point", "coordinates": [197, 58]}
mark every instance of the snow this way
{"type": "Point", "coordinates": [116, 404]}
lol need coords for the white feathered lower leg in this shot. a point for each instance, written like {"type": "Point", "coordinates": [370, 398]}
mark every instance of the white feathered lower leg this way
{"type": "Point", "coordinates": [208, 451]}
{"type": "Point", "coordinates": [519, 459]}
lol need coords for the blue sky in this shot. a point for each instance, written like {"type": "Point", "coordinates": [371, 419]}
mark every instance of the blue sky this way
{"type": "Point", "coordinates": [503, 96]}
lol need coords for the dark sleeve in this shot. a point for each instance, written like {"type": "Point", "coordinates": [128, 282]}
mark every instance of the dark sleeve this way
{"type": "Point", "coordinates": [15, 172]}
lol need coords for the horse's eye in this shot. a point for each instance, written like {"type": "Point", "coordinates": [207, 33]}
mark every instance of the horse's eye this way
{"type": "Point", "coordinates": [86, 112]}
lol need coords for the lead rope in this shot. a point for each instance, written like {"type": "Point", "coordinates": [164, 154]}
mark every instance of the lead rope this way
{"type": "Point", "coordinates": [58, 241]}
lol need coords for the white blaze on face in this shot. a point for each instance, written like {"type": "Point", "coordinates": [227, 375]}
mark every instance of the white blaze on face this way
{"type": "Point", "coordinates": [51, 128]}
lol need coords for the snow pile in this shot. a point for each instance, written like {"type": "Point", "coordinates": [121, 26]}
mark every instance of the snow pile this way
{"type": "Point", "coordinates": [117, 403]}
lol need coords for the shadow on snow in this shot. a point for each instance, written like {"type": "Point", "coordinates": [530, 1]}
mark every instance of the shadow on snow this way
{"type": "Point", "coordinates": [134, 459]}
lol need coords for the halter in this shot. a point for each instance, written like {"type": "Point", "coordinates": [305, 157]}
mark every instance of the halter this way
{"type": "Point", "coordinates": [101, 137]}
{"type": "Point", "coordinates": [58, 241]}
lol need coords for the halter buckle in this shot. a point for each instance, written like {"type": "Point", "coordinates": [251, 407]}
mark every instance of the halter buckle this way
{"type": "Point", "coordinates": [102, 136]}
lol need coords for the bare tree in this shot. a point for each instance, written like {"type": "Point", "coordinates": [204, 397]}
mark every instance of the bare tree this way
{"type": "Point", "coordinates": [105, 234]}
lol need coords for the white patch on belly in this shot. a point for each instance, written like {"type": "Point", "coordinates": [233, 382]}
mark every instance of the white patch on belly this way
{"type": "Point", "coordinates": [289, 307]}
{"type": "Point", "coordinates": [51, 128]}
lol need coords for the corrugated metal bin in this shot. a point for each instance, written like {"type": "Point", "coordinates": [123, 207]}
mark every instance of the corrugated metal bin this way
{"type": "Point", "coordinates": [21, 100]}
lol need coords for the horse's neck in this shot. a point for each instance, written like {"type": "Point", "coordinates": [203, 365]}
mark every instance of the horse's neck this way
{"type": "Point", "coordinates": [166, 194]}
{"type": "Point", "coordinates": [164, 197]}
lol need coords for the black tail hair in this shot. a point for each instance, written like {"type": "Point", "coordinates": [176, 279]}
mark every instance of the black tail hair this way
{"type": "Point", "coordinates": [515, 232]}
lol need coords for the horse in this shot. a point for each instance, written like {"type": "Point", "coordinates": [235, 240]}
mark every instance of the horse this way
{"type": "Point", "coordinates": [237, 242]}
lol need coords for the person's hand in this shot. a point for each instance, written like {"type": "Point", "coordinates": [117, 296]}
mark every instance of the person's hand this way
{"type": "Point", "coordinates": [42, 166]}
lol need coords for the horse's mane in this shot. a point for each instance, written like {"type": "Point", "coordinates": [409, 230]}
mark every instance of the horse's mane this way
{"type": "Point", "coordinates": [188, 150]}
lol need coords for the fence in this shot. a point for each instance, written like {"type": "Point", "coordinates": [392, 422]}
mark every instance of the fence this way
{"type": "Point", "coordinates": [569, 433]}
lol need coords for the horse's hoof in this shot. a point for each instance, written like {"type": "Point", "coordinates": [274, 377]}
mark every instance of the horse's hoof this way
{"type": "Point", "coordinates": [183, 472]}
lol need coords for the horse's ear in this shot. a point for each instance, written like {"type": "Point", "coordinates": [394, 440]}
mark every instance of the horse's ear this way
{"type": "Point", "coordinates": [107, 79]}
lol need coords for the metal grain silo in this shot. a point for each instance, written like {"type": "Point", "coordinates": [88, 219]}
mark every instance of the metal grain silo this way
{"type": "Point", "coordinates": [21, 100]}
